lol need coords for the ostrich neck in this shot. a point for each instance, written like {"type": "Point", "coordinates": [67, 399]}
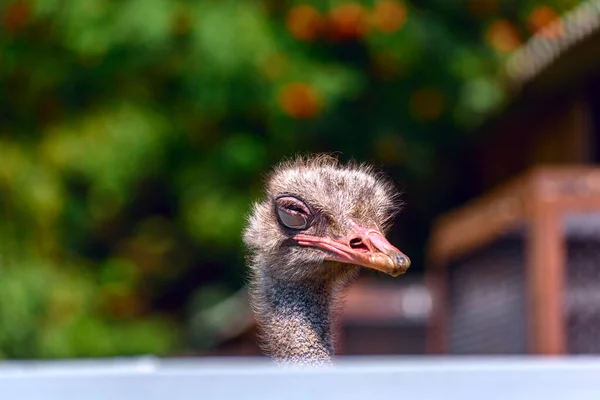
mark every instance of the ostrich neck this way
{"type": "Point", "coordinates": [296, 319]}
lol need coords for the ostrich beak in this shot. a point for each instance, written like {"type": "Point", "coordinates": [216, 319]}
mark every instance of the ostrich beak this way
{"type": "Point", "coordinates": [363, 247]}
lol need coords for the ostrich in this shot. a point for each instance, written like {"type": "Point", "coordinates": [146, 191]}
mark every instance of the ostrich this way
{"type": "Point", "coordinates": [319, 223]}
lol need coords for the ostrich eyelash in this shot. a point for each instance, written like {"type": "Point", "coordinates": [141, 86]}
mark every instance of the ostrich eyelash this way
{"type": "Point", "coordinates": [292, 203]}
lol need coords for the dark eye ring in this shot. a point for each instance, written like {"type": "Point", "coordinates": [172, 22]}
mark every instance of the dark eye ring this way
{"type": "Point", "coordinates": [292, 212]}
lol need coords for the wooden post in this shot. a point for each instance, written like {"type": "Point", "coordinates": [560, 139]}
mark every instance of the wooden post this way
{"type": "Point", "coordinates": [545, 277]}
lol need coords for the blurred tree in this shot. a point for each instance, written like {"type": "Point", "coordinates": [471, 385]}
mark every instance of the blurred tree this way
{"type": "Point", "coordinates": [133, 136]}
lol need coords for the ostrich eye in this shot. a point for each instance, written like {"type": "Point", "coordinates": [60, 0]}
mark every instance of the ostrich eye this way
{"type": "Point", "coordinates": [292, 220]}
{"type": "Point", "coordinates": [292, 213]}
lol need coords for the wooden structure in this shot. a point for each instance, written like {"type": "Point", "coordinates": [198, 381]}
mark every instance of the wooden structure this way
{"type": "Point", "coordinates": [517, 270]}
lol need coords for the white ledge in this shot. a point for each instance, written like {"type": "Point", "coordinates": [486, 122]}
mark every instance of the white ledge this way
{"type": "Point", "coordinates": [352, 378]}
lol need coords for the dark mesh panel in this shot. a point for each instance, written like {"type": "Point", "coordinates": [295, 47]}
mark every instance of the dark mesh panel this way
{"type": "Point", "coordinates": [582, 297]}
{"type": "Point", "coordinates": [487, 295]}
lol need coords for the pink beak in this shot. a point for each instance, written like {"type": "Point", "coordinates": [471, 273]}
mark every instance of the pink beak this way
{"type": "Point", "coordinates": [364, 247]}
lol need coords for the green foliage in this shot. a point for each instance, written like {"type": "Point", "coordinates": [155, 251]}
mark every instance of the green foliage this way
{"type": "Point", "coordinates": [54, 313]}
{"type": "Point", "coordinates": [134, 135]}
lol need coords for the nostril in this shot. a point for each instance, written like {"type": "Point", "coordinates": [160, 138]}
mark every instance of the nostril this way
{"type": "Point", "coordinates": [358, 244]}
{"type": "Point", "coordinates": [402, 260]}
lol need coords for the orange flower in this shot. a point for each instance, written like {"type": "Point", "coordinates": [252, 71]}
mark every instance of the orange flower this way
{"type": "Point", "coordinates": [388, 16]}
{"type": "Point", "coordinates": [304, 22]}
{"type": "Point", "coordinates": [300, 100]}
{"type": "Point", "coordinates": [545, 21]}
{"type": "Point", "coordinates": [348, 21]}
{"type": "Point", "coordinates": [15, 16]}
{"type": "Point", "coordinates": [503, 36]}
{"type": "Point", "coordinates": [427, 103]}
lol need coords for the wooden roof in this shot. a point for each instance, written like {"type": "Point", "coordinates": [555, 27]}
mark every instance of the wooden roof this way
{"type": "Point", "coordinates": [556, 61]}
{"type": "Point", "coordinates": [565, 49]}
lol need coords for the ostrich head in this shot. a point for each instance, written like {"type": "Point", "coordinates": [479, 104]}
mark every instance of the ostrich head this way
{"type": "Point", "coordinates": [319, 223]}
{"type": "Point", "coordinates": [321, 220]}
